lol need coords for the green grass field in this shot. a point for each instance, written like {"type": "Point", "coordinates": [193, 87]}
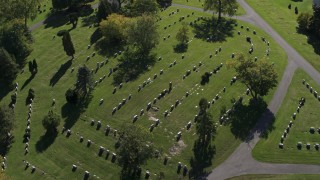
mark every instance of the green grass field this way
{"type": "Point", "coordinates": [283, 20]}
{"type": "Point", "coordinates": [278, 177]}
{"type": "Point", "coordinates": [55, 159]}
{"type": "Point", "coordinates": [268, 150]}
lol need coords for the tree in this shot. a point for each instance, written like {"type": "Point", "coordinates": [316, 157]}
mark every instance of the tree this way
{"type": "Point", "coordinates": [131, 64]}
{"type": "Point", "coordinates": [8, 68]}
{"type": "Point", "coordinates": [113, 29]}
{"type": "Point", "coordinates": [142, 33]}
{"type": "Point", "coordinates": [315, 20]}
{"type": "Point", "coordinates": [304, 21]}
{"type": "Point", "coordinates": [22, 9]}
{"type": "Point", "coordinates": [259, 77]}
{"type": "Point", "coordinates": [140, 7]}
{"type": "Point", "coordinates": [134, 149]}
{"type": "Point", "coordinates": [67, 44]}
{"type": "Point", "coordinates": [51, 121]}
{"type": "Point", "coordinates": [221, 6]}
{"type": "Point", "coordinates": [71, 96]}
{"type": "Point", "coordinates": [105, 8]}
{"type": "Point", "coordinates": [84, 81]}
{"type": "Point", "coordinates": [164, 3]}
{"type": "Point", "coordinates": [6, 124]}
{"type": "Point", "coordinates": [182, 35]}
{"type": "Point", "coordinates": [13, 38]}
{"type": "Point", "coordinates": [35, 65]}
{"type": "Point", "coordinates": [205, 126]}
{"type": "Point", "coordinates": [62, 4]}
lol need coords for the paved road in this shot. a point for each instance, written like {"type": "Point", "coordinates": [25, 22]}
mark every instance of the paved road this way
{"type": "Point", "coordinates": [241, 161]}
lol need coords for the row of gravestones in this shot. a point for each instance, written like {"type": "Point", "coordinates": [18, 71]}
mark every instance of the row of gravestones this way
{"type": "Point", "coordinates": [103, 150]}
{"type": "Point", "coordinates": [287, 129]}
{"type": "Point", "coordinates": [312, 91]}
{"type": "Point", "coordinates": [33, 168]}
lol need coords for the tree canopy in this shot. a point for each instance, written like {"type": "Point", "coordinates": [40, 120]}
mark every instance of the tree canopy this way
{"type": "Point", "coordinates": [134, 149]}
{"type": "Point", "coordinates": [142, 33]}
{"type": "Point", "coordinates": [259, 77]}
{"type": "Point", "coordinates": [13, 38]}
{"type": "Point", "coordinates": [51, 121]}
{"type": "Point", "coordinates": [8, 67]}
{"type": "Point", "coordinates": [182, 35]}
{"type": "Point", "coordinates": [227, 7]}
{"type": "Point", "coordinates": [114, 28]}
{"type": "Point", "coordinates": [19, 9]}
{"type": "Point", "coordinates": [84, 81]}
{"type": "Point", "coordinates": [6, 124]}
{"type": "Point", "coordinates": [205, 127]}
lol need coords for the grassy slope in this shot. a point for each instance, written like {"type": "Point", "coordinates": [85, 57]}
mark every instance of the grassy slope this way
{"type": "Point", "coordinates": [267, 149]}
{"type": "Point", "coordinates": [57, 160]}
{"type": "Point", "coordinates": [278, 177]}
{"type": "Point", "coordinates": [283, 20]}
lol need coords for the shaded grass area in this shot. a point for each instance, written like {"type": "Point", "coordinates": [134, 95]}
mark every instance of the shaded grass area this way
{"type": "Point", "coordinates": [57, 158]}
{"type": "Point", "coordinates": [199, 4]}
{"type": "Point", "coordinates": [267, 149]}
{"type": "Point", "coordinates": [283, 20]}
{"type": "Point", "coordinates": [278, 176]}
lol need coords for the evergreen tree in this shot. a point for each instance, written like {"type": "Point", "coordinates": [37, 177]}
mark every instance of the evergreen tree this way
{"type": "Point", "coordinates": [8, 67]}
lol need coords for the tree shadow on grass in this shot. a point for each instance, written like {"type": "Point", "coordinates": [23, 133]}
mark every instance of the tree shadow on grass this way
{"type": "Point", "coordinates": [95, 36]}
{"type": "Point", "coordinates": [56, 20]}
{"type": "Point", "coordinates": [180, 48]}
{"type": "Point", "coordinates": [266, 125]}
{"type": "Point", "coordinates": [62, 70]}
{"type": "Point", "coordinates": [46, 141]}
{"type": "Point", "coordinates": [4, 90]}
{"type": "Point", "coordinates": [245, 117]}
{"type": "Point", "coordinates": [89, 20]}
{"type": "Point", "coordinates": [71, 112]}
{"type": "Point", "coordinates": [105, 48]}
{"type": "Point", "coordinates": [315, 42]}
{"type": "Point", "coordinates": [212, 30]}
{"type": "Point", "coordinates": [203, 156]}
{"type": "Point", "coordinates": [28, 81]}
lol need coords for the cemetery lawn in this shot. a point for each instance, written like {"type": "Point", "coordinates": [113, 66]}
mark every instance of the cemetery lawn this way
{"type": "Point", "coordinates": [45, 11]}
{"type": "Point", "coordinates": [278, 177]}
{"type": "Point", "coordinates": [54, 157]}
{"type": "Point", "coordinates": [267, 149]}
{"type": "Point", "coordinates": [199, 4]}
{"type": "Point", "coordinates": [284, 21]}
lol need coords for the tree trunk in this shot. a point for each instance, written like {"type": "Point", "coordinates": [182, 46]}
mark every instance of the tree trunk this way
{"type": "Point", "coordinates": [220, 10]}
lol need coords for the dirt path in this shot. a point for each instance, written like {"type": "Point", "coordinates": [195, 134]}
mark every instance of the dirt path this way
{"type": "Point", "coordinates": [241, 161]}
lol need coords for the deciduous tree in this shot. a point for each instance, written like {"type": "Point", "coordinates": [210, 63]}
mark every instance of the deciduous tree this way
{"type": "Point", "coordinates": [6, 124]}
{"type": "Point", "coordinates": [134, 149]}
{"type": "Point", "coordinates": [51, 121]}
{"type": "Point", "coordinates": [84, 81]}
{"type": "Point", "coordinates": [227, 7]}
{"type": "Point", "coordinates": [142, 33]}
{"type": "Point", "coordinates": [8, 68]}
{"type": "Point", "coordinates": [259, 77]}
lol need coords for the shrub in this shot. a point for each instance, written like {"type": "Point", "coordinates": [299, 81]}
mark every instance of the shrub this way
{"type": "Point", "coordinates": [205, 78]}
{"type": "Point", "coordinates": [30, 96]}
{"type": "Point", "coordinates": [304, 20]}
